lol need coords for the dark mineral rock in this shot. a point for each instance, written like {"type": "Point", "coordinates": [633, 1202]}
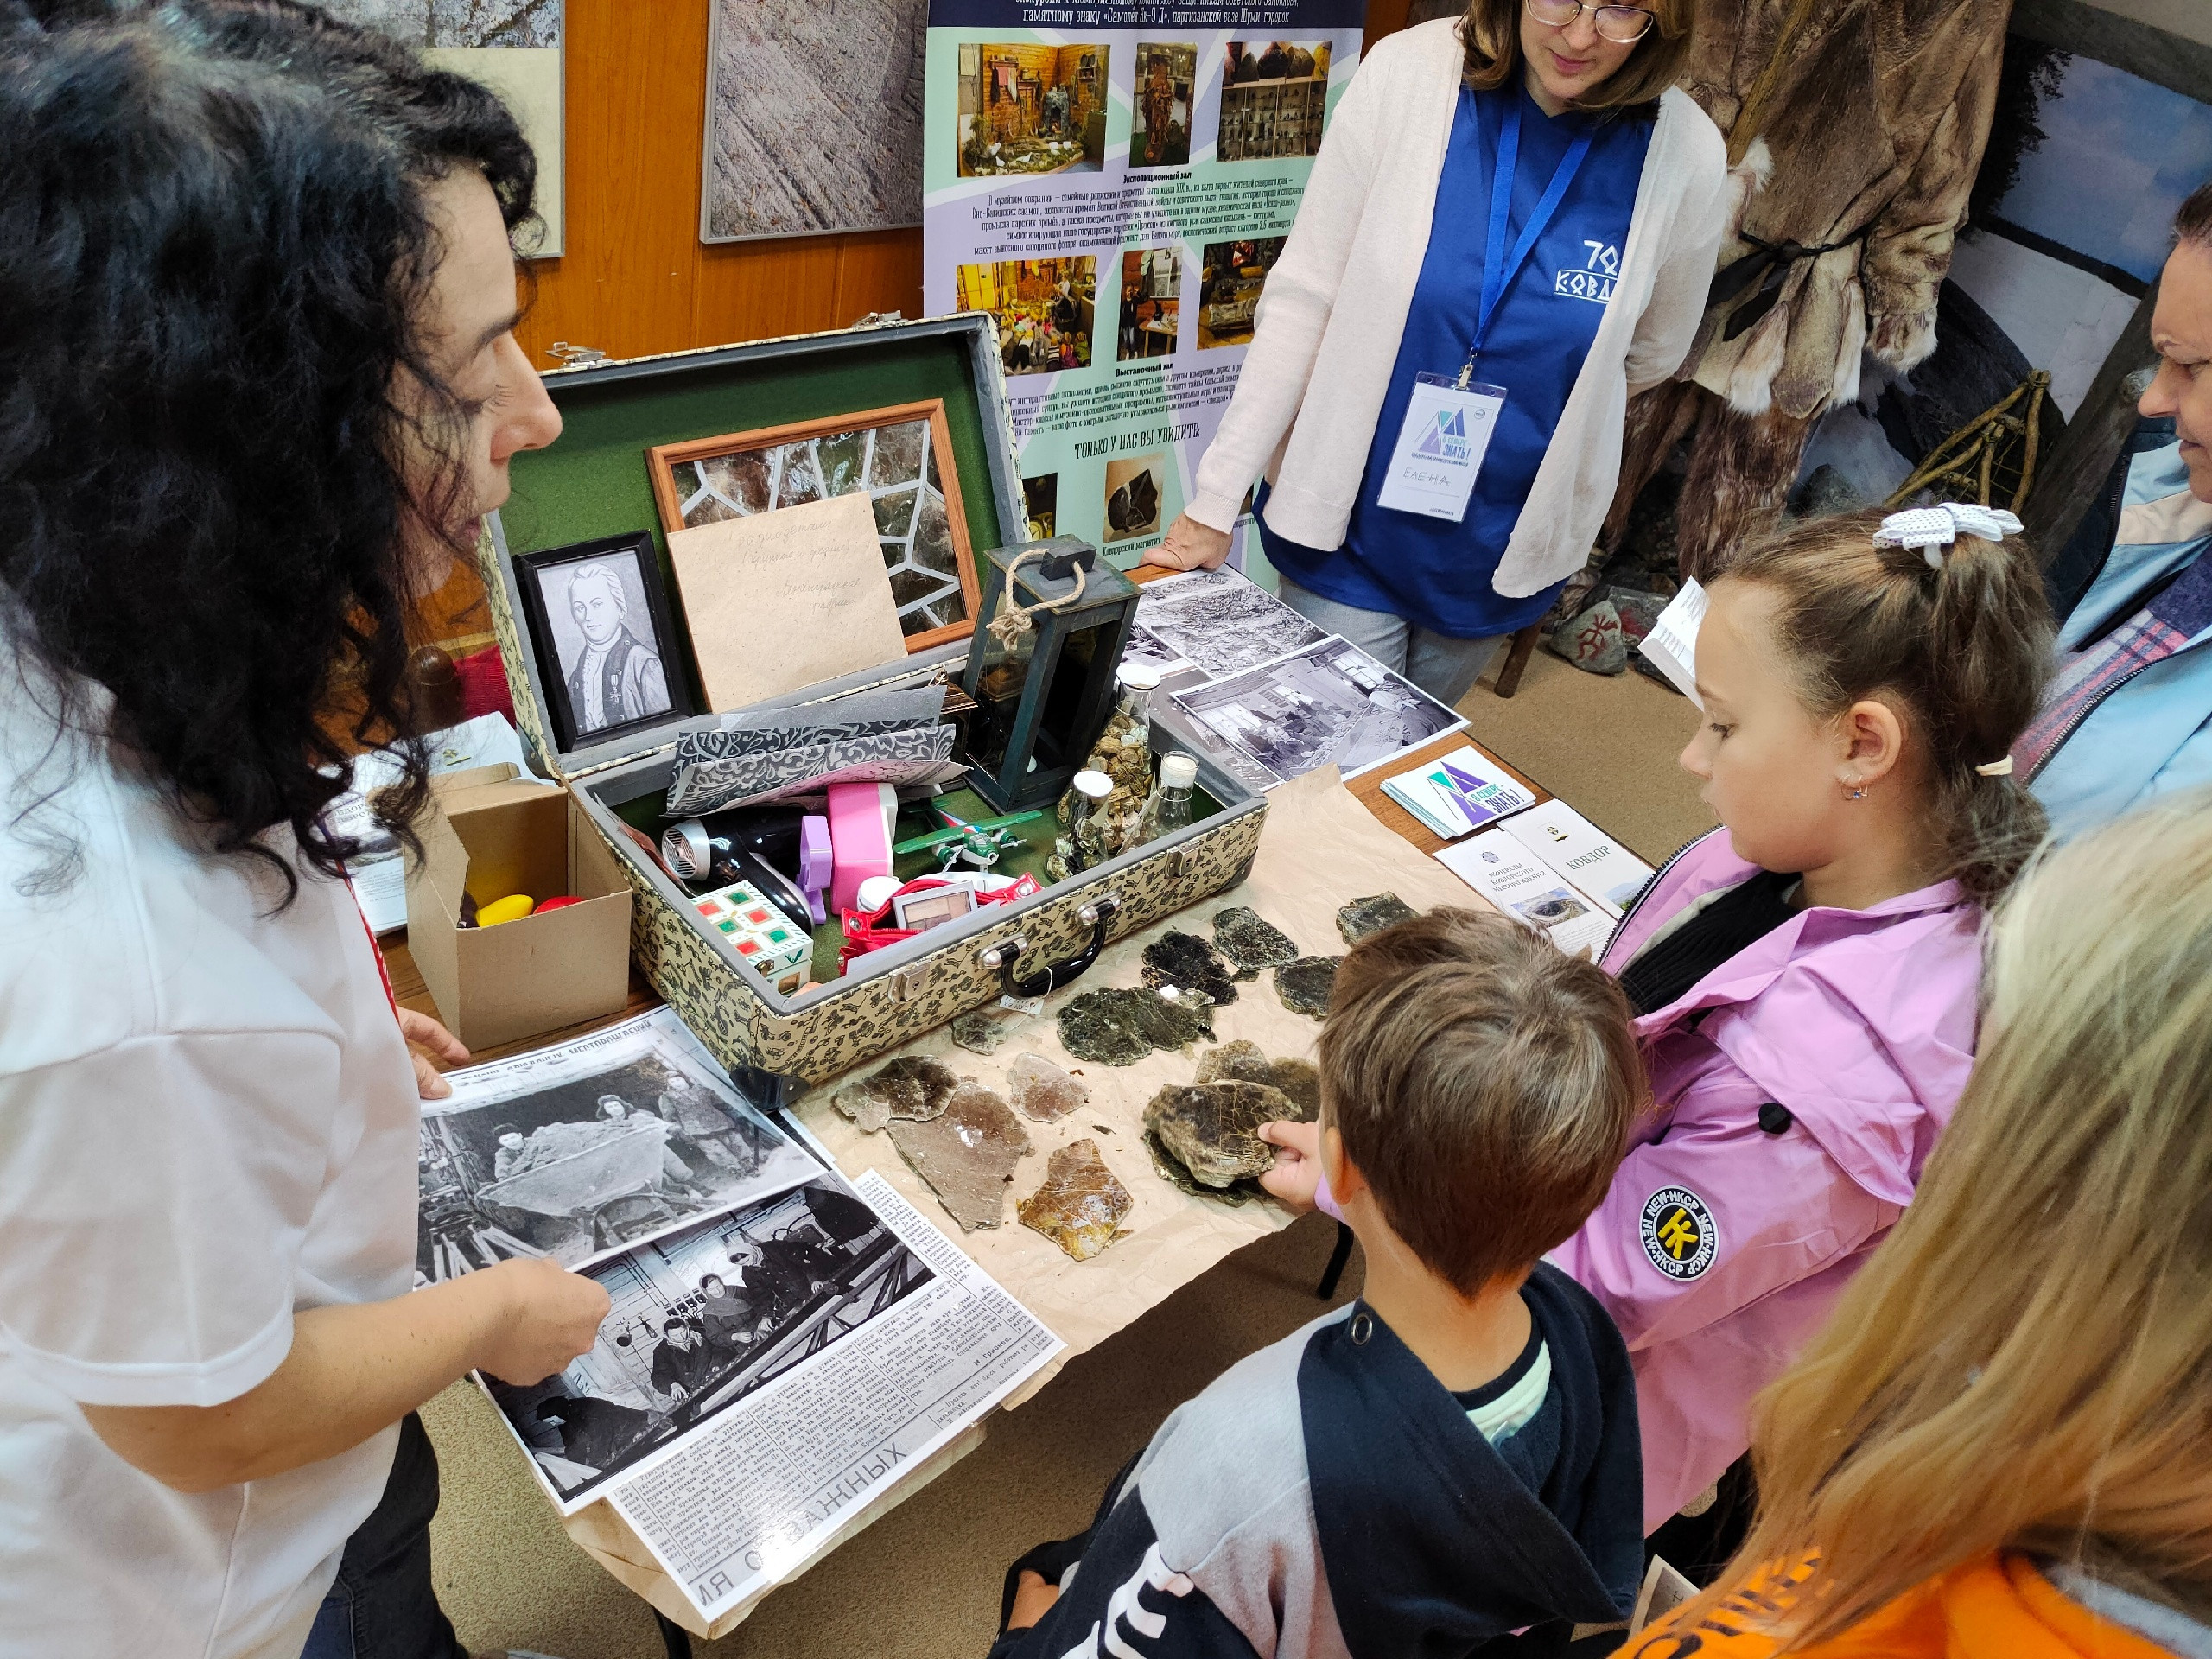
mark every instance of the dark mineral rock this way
{"type": "Point", "coordinates": [1189, 964]}
{"type": "Point", "coordinates": [1304, 985]}
{"type": "Point", "coordinates": [911, 1086]}
{"type": "Point", "coordinates": [1210, 1128]}
{"type": "Point", "coordinates": [1302, 1083]}
{"type": "Point", "coordinates": [1174, 1022]}
{"type": "Point", "coordinates": [1371, 915]}
{"type": "Point", "coordinates": [1164, 1163]}
{"type": "Point", "coordinates": [1101, 1026]}
{"type": "Point", "coordinates": [1250, 942]}
{"type": "Point", "coordinates": [967, 1153]}
{"type": "Point", "coordinates": [1120, 1027]}
{"type": "Point", "coordinates": [1245, 1061]}
{"type": "Point", "coordinates": [1041, 1091]}
{"type": "Point", "coordinates": [979, 1031]}
{"type": "Point", "coordinates": [1081, 1205]}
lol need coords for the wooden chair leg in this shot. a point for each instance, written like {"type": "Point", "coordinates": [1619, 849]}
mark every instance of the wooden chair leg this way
{"type": "Point", "coordinates": [1516, 658]}
{"type": "Point", "coordinates": [1337, 1257]}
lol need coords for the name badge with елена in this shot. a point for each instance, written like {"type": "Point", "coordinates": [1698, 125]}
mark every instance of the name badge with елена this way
{"type": "Point", "coordinates": [1440, 448]}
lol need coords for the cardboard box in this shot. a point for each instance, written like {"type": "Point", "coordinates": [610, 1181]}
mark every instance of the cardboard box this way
{"type": "Point", "coordinates": [490, 835]}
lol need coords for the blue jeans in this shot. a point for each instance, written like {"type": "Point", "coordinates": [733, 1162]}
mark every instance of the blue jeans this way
{"type": "Point", "coordinates": [383, 1606]}
{"type": "Point", "coordinates": [1443, 667]}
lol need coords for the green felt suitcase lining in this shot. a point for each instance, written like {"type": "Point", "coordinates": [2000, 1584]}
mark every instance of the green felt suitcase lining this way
{"type": "Point", "coordinates": [594, 481]}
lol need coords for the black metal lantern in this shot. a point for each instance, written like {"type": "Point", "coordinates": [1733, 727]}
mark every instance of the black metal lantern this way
{"type": "Point", "coordinates": [1052, 624]}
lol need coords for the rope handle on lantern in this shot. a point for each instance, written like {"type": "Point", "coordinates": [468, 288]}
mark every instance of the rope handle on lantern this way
{"type": "Point", "coordinates": [1012, 620]}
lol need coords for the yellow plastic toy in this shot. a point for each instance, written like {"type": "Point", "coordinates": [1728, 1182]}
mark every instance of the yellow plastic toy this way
{"type": "Point", "coordinates": [512, 908]}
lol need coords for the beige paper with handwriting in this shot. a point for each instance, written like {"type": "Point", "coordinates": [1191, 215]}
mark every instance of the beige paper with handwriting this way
{"type": "Point", "coordinates": [786, 599]}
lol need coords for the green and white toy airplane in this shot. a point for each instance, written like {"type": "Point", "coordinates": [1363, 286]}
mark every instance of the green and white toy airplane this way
{"type": "Point", "coordinates": [978, 844]}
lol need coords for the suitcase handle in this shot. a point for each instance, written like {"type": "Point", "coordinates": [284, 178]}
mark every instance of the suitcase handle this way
{"type": "Point", "coordinates": [1099, 913]}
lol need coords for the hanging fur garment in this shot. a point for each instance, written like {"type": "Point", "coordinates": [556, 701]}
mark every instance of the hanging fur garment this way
{"type": "Point", "coordinates": [1856, 128]}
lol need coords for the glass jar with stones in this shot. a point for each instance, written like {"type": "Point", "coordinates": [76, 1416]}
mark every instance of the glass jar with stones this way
{"type": "Point", "coordinates": [1084, 844]}
{"type": "Point", "coordinates": [1124, 753]}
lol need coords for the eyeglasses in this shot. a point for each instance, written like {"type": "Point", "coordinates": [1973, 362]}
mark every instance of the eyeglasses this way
{"type": "Point", "coordinates": [1622, 25]}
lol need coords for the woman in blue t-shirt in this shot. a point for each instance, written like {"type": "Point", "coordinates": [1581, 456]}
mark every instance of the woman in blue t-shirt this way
{"type": "Point", "coordinates": [1520, 221]}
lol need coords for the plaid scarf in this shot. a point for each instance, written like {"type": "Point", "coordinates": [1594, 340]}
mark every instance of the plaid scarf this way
{"type": "Point", "coordinates": [2174, 617]}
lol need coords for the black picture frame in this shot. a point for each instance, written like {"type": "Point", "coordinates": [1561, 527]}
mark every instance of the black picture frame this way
{"type": "Point", "coordinates": [636, 547]}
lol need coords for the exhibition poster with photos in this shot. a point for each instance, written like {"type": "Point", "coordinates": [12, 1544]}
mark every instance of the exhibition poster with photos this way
{"type": "Point", "coordinates": [1115, 197]}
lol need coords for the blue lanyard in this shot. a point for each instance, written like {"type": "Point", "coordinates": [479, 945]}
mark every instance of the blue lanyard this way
{"type": "Point", "coordinates": [1500, 268]}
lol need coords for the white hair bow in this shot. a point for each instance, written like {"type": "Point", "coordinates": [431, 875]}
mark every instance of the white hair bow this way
{"type": "Point", "coordinates": [1932, 529]}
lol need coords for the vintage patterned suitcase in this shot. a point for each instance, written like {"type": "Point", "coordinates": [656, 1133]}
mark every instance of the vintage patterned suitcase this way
{"type": "Point", "coordinates": [596, 482]}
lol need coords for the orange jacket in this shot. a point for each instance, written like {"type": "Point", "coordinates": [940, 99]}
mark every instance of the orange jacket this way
{"type": "Point", "coordinates": [1993, 1607]}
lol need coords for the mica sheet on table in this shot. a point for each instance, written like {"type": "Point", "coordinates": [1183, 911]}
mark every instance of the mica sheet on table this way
{"type": "Point", "coordinates": [1319, 849]}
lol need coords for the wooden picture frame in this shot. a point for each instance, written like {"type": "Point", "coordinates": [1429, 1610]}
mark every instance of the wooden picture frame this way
{"type": "Point", "coordinates": [909, 478]}
{"type": "Point", "coordinates": [633, 596]}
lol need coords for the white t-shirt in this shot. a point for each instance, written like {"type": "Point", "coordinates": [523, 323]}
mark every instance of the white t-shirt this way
{"type": "Point", "coordinates": [207, 1121]}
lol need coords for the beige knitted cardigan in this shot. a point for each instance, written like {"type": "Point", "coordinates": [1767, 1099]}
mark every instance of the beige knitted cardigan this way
{"type": "Point", "coordinates": [1316, 372]}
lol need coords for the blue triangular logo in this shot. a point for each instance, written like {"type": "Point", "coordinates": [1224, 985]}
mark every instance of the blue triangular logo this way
{"type": "Point", "coordinates": [1449, 423]}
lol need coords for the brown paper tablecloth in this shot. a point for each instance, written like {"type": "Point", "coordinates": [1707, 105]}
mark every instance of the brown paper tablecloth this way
{"type": "Point", "coordinates": [1320, 847]}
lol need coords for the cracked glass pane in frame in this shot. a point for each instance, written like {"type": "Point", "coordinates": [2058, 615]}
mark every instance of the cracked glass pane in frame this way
{"type": "Point", "coordinates": [842, 458]}
{"type": "Point", "coordinates": [900, 453]}
{"type": "Point", "coordinates": [894, 465]}
{"type": "Point", "coordinates": [801, 481]}
{"type": "Point", "coordinates": [895, 514]}
{"type": "Point", "coordinates": [934, 537]}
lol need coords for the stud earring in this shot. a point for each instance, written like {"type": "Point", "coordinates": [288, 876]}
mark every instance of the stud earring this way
{"type": "Point", "coordinates": [1858, 794]}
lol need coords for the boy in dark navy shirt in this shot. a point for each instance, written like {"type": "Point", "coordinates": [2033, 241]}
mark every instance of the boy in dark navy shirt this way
{"type": "Point", "coordinates": [1453, 1457]}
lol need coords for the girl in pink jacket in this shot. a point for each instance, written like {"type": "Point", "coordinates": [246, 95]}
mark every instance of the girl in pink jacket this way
{"type": "Point", "coordinates": [1805, 976]}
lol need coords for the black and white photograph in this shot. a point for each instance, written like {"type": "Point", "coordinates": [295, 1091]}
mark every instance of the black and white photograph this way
{"type": "Point", "coordinates": [575, 1151]}
{"type": "Point", "coordinates": [1217, 620]}
{"type": "Point", "coordinates": [1330, 704]}
{"type": "Point", "coordinates": [598, 623]}
{"type": "Point", "coordinates": [703, 1316]}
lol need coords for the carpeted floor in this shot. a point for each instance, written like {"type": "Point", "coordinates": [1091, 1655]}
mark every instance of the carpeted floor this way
{"type": "Point", "coordinates": [923, 1582]}
{"type": "Point", "coordinates": [1606, 747]}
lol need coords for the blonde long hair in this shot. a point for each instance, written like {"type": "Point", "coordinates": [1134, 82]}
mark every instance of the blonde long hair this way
{"type": "Point", "coordinates": [2027, 1362]}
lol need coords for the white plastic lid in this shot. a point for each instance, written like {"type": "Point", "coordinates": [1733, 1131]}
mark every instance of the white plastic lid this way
{"type": "Point", "coordinates": [1095, 785]}
{"type": "Point", "coordinates": [1178, 771]}
{"type": "Point", "coordinates": [875, 892]}
{"type": "Point", "coordinates": [1137, 676]}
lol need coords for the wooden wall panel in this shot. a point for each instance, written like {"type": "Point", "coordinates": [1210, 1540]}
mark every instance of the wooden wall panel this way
{"type": "Point", "coordinates": [636, 277]}
{"type": "Point", "coordinates": [1383, 17]}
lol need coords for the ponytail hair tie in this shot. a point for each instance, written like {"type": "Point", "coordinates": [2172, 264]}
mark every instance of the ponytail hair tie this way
{"type": "Point", "coordinates": [1995, 768]}
{"type": "Point", "coordinates": [1933, 529]}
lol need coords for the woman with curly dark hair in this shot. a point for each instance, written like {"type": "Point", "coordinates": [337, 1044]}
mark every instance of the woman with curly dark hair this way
{"type": "Point", "coordinates": [257, 386]}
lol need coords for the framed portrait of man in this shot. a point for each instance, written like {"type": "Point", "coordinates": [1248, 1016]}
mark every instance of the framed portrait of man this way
{"type": "Point", "coordinates": [599, 622]}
